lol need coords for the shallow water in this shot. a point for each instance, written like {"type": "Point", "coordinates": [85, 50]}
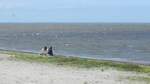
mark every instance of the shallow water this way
{"type": "Point", "coordinates": [126, 42]}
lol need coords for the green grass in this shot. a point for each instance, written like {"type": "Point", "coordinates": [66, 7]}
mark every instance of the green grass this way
{"type": "Point", "coordinates": [79, 62]}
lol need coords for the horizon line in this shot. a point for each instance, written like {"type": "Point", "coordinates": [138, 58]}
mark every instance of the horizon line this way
{"type": "Point", "coordinates": [75, 22]}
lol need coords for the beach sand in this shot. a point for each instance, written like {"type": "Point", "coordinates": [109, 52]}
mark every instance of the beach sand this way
{"type": "Point", "coordinates": [20, 72]}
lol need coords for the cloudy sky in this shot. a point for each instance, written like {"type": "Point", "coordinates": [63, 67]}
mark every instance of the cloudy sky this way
{"type": "Point", "coordinates": [74, 10]}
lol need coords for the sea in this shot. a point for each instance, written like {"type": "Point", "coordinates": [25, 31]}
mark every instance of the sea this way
{"type": "Point", "coordinates": [127, 42]}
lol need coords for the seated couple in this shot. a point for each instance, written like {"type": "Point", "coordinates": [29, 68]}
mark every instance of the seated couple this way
{"type": "Point", "coordinates": [47, 51]}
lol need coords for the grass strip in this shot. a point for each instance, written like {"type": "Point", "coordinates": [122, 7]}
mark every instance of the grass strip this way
{"type": "Point", "coordinates": [79, 62]}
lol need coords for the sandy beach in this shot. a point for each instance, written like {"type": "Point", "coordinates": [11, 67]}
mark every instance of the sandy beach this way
{"type": "Point", "coordinates": [14, 71]}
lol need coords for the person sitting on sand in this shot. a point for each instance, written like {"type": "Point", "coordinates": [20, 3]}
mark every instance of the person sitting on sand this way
{"type": "Point", "coordinates": [44, 51]}
{"type": "Point", "coordinates": [50, 51]}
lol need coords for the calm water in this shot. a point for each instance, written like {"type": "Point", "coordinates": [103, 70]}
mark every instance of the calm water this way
{"type": "Point", "coordinates": [126, 42]}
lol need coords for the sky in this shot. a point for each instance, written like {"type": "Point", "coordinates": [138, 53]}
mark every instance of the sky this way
{"type": "Point", "coordinates": [75, 11]}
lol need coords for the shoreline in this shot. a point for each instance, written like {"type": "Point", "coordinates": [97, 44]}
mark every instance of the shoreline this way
{"type": "Point", "coordinates": [78, 62]}
{"type": "Point", "coordinates": [17, 71]}
{"type": "Point", "coordinates": [100, 59]}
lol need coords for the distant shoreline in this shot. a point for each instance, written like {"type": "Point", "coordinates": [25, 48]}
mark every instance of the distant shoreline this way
{"type": "Point", "coordinates": [74, 22]}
